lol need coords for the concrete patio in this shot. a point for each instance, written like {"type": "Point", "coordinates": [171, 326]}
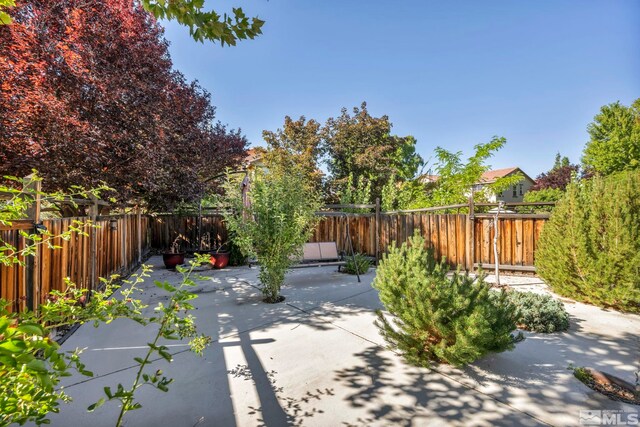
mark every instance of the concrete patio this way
{"type": "Point", "coordinates": [317, 360]}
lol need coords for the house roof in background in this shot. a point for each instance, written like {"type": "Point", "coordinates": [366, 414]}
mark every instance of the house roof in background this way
{"type": "Point", "coordinates": [252, 156]}
{"type": "Point", "coordinates": [491, 176]}
{"type": "Point", "coordinates": [425, 178]}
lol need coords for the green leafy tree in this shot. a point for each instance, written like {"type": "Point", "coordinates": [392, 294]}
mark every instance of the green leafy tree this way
{"type": "Point", "coordinates": [615, 139]}
{"type": "Point", "coordinates": [411, 194]}
{"type": "Point", "coordinates": [356, 192]}
{"type": "Point", "coordinates": [299, 140]}
{"type": "Point", "coordinates": [438, 318]}
{"type": "Point", "coordinates": [545, 195]}
{"type": "Point", "coordinates": [560, 162]}
{"type": "Point", "coordinates": [389, 194]}
{"type": "Point", "coordinates": [362, 145]}
{"type": "Point", "coordinates": [457, 178]}
{"type": "Point", "coordinates": [589, 250]}
{"type": "Point", "coordinates": [407, 161]}
{"type": "Point", "coordinates": [276, 220]}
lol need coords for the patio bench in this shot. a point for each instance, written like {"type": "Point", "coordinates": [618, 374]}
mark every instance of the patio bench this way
{"type": "Point", "coordinates": [317, 254]}
{"type": "Point", "coordinates": [320, 254]}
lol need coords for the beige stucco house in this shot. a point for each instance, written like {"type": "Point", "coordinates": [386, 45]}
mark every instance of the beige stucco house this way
{"type": "Point", "coordinates": [514, 193]}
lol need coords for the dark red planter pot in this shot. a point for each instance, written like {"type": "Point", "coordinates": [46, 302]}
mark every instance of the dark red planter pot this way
{"type": "Point", "coordinates": [172, 260]}
{"type": "Point", "coordinates": [219, 260]}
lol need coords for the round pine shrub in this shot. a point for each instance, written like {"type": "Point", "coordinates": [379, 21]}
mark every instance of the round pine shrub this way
{"type": "Point", "coordinates": [589, 250]}
{"type": "Point", "coordinates": [539, 313]}
{"type": "Point", "coordinates": [438, 318]}
{"type": "Point", "coordinates": [362, 263]}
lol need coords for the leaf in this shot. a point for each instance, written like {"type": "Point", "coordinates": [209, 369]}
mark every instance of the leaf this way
{"type": "Point", "coordinates": [98, 404]}
{"type": "Point", "coordinates": [31, 329]}
{"type": "Point", "coordinates": [166, 355]}
{"type": "Point", "coordinates": [37, 365]}
{"type": "Point", "coordinates": [4, 323]}
{"type": "Point", "coordinates": [13, 346]}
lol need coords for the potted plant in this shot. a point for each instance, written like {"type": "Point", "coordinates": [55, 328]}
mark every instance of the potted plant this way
{"type": "Point", "coordinates": [220, 257]}
{"type": "Point", "coordinates": [174, 256]}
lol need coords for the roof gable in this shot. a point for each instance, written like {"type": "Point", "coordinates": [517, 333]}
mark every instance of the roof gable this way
{"type": "Point", "coordinates": [492, 176]}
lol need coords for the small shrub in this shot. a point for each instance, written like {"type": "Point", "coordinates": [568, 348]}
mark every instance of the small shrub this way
{"type": "Point", "coordinates": [589, 250]}
{"type": "Point", "coordinates": [439, 318]}
{"type": "Point", "coordinates": [277, 221]}
{"type": "Point", "coordinates": [362, 262]}
{"type": "Point", "coordinates": [539, 313]}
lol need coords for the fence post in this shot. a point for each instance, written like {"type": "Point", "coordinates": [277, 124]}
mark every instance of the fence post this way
{"type": "Point", "coordinates": [199, 234]}
{"type": "Point", "coordinates": [471, 235]}
{"type": "Point", "coordinates": [139, 234]}
{"type": "Point", "coordinates": [32, 188]}
{"type": "Point", "coordinates": [93, 244]}
{"type": "Point", "coordinates": [377, 234]}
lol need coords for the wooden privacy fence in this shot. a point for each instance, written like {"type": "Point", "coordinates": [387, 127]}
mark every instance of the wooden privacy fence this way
{"type": "Point", "coordinates": [118, 243]}
{"type": "Point", "coordinates": [465, 240]}
{"type": "Point", "coordinates": [114, 246]}
{"type": "Point", "coordinates": [190, 232]}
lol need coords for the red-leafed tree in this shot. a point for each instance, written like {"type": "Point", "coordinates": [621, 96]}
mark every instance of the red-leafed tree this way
{"type": "Point", "coordinates": [88, 94]}
{"type": "Point", "coordinates": [558, 177]}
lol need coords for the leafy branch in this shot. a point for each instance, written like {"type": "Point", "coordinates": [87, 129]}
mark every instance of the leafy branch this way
{"type": "Point", "coordinates": [172, 326]}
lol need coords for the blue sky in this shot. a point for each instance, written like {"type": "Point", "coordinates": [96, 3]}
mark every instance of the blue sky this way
{"type": "Point", "coordinates": [450, 73]}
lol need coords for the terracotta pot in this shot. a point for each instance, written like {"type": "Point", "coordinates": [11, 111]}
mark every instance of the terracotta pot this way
{"type": "Point", "coordinates": [219, 259]}
{"type": "Point", "coordinates": [173, 259]}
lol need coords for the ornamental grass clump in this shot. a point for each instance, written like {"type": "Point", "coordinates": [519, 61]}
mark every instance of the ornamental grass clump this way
{"type": "Point", "coordinates": [357, 264]}
{"type": "Point", "coordinates": [435, 318]}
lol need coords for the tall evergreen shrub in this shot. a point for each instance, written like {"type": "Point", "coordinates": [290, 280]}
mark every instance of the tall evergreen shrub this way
{"type": "Point", "coordinates": [589, 250]}
{"type": "Point", "coordinates": [439, 318]}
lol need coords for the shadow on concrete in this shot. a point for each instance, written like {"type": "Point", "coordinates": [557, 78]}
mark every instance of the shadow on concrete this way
{"type": "Point", "coordinates": [396, 394]}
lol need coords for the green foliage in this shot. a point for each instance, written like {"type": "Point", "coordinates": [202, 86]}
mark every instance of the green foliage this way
{"type": "Point", "coordinates": [439, 318]}
{"type": "Point", "coordinates": [203, 25]}
{"type": "Point", "coordinates": [31, 363]}
{"type": "Point", "coordinates": [359, 144]}
{"type": "Point", "coordinates": [356, 192]}
{"type": "Point", "coordinates": [539, 313]}
{"type": "Point", "coordinates": [277, 220]}
{"type": "Point", "coordinates": [174, 323]}
{"type": "Point", "coordinates": [20, 194]}
{"type": "Point", "coordinates": [589, 250]}
{"type": "Point", "coordinates": [582, 374]}
{"type": "Point", "coordinates": [411, 194]}
{"type": "Point", "coordinates": [560, 162]}
{"type": "Point", "coordinates": [361, 264]}
{"type": "Point", "coordinates": [615, 139]}
{"type": "Point", "coordinates": [457, 178]}
{"type": "Point", "coordinates": [407, 161]}
{"type": "Point", "coordinates": [545, 195]}
{"type": "Point", "coordinates": [4, 16]}
{"type": "Point", "coordinates": [236, 257]}
{"type": "Point", "coordinates": [389, 194]}
{"type": "Point", "coordinates": [300, 140]}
